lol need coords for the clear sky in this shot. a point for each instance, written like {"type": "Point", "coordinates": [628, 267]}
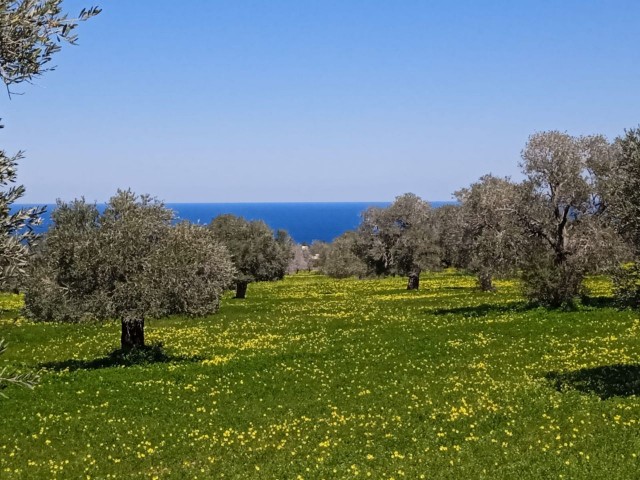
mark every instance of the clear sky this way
{"type": "Point", "coordinates": [232, 101]}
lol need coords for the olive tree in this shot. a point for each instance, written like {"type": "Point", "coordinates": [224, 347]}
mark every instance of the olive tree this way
{"type": "Point", "coordinates": [16, 229]}
{"type": "Point", "coordinates": [257, 253]}
{"type": "Point", "coordinates": [448, 224]}
{"type": "Point", "coordinates": [128, 262]}
{"type": "Point", "coordinates": [340, 258]}
{"type": "Point", "coordinates": [489, 238]}
{"type": "Point", "coordinates": [559, 206]}
{"type": "Point", "coordinates": [400, 239]}
{"type": "Point", "coordinates": [624, 213]}
{"type": "Point", "coordinates": [624, 188]}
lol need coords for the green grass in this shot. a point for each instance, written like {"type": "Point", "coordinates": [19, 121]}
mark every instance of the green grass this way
{"type": "Point", "coordinates": [318, 378]}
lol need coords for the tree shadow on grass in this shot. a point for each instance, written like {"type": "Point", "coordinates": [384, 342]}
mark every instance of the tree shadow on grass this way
{"type": "Point", "coordinates": [620, 380]}
{"type": "Point", "coordinates": [482, 310]}
{"type": "Point", "coordinates": [599, 302]}
{"type": "Point", "coordinates": [146, 355]}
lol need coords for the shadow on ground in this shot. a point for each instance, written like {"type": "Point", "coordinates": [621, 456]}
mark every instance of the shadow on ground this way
{"type": "Point", "coordinates": [482, 310]}
{"type": "Point", "coordinates": [608, 381]}
{"type": "Point", "coordinates": [599, 302]}
{"type": "Point", "coordinates": [120, 358]}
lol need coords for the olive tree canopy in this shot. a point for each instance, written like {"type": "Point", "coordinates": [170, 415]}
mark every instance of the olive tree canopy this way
{"type": "Point", "coordinates": [624, 188]}
{"type": "Point", "coordinates": [31, 33]}
{"type": "Point", "coordinates": [339, 259]}
{"type": "Point", "coordinates": [559, 206]}
{"type": "Point", "coordinates": [257, 253]}
{"type": "Point", "coordinates": [16, 229]}
{"type": "Point", "coordinates": [448, 223]}
{"type": "Point", "coordinates": [128, 262]}
{"type": "Point", "coordinates": [489, 238]}
{"type": "Point", "coordinates": [624, 213]}
{"type": "Point", "coordinates": [400, 239]}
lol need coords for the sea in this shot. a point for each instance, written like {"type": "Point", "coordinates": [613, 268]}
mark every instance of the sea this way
{"type": "Point", "coordinates": [304, 221]}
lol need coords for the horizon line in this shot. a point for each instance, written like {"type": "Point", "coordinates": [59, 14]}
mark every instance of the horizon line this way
{"type": "Point", "coordinates": [245, 202]}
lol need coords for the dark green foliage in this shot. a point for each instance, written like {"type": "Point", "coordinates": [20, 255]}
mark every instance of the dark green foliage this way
{"type": "Point", "coordinates": [544, 282]}
{"type": "Point", "coordinates": [448, 223]}
{"type": "Point", "coordinates": [339, 259]}
{"type": "Point", "coordinates": [286, 250]}
{"type": "Point", "coordinates": [128, 263]}
{"type": "Point", "coordinates": [30, 34]}
{"type": "Point", "coordinates": [627, 284]}
{"type": "Point", "coordinates": [258, 254]}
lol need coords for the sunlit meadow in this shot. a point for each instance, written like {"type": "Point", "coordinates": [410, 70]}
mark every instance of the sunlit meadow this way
{"type": "Point", "coordinates": [318, 378]}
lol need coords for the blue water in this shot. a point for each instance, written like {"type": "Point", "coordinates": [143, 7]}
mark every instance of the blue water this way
{"type": "Point", "coordinates": [305, 222]}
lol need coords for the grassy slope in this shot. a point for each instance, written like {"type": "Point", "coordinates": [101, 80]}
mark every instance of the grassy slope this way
{"type": "Point", "coordinates": [318, 378]}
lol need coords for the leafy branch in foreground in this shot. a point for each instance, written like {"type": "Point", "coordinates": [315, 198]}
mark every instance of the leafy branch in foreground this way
{"type": "Point", "coordinates": [31, 32]}
{"type": "Point", "coordinates": [10, 376]}
{"type": "Point", "coordinates": [16, 229]}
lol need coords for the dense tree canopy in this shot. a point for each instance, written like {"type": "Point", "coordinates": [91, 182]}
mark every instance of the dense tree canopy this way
{"type": "Point", "coordinates": [624, 194]}
{"type": "Point", "coordinates": [399, 239]}
{"type": "Point", "coordinates": [624, 213]}
{"type": "Point", "coordinates": [127, 262]}
{"type": "Point", "coordinates": [340, 259]}
{"type": "Point", "coordinates": [489, 240]}
{"type": "Point", "coordinates": [448, 224]}
{"type": "Point", "coordinates": [258, 254]}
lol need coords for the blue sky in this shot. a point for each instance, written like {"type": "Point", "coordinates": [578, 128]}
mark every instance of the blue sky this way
{"type": "Point", "coordinates": [232, 101]}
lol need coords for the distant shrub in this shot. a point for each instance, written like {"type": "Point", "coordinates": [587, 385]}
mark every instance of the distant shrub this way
{"type": "Point", "coordinates": [340, 260]}
{"type": "Point", "coordinates": [547, 283]}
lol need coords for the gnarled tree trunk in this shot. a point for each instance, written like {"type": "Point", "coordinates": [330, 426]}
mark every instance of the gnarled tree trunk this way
{"type": "Point", "coordinates": [485, 280]}
{"type": "Point", "coordinates": [132, 333]}
{"type": "Point", "coordinates": [414, 281]}
{"type": "Point", "coordinates": [241, 289]}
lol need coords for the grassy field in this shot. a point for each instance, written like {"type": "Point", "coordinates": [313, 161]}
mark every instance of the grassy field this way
{"type": "Point", "coordinates": [318, 378]}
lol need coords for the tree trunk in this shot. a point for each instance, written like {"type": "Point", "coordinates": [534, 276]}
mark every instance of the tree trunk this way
{"type": "Point", "coordinates": [241, 289]}
{"type": "Point", "coordinates": [414, 281]}
{"type": "Point", "coordinates": [132, 333]}
{"type": "Point", "coordinates": [486, 282]}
